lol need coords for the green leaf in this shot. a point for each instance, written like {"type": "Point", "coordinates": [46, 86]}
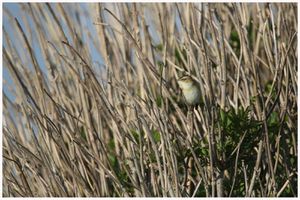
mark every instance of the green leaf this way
{"type": "Point", "coordinates": [159, 101]}
{"type": "Point", "coordinates": [112, 159]}
{"type": "Point", "coordinates": [156, 136]}
{"type": "Point", "coordinates": [111, 144]}
{"type": "Point", "coordinates": [82, 133]}
{"type": "Point", "coordinates": [159, 47]}
{"type": "Point", "coordinates": [135, 135]}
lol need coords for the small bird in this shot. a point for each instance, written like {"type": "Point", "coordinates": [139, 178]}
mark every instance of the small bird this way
{"type": "Point", "coordinates": [192, 94]}
{"type": "Point", "coordinates": [190, 89]}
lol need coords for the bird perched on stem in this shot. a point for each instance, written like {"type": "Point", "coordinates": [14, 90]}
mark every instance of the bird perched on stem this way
{"type": "Point", "coordinates": [190, 90]}
{"type": "Point", "coordinates": [192, 94]}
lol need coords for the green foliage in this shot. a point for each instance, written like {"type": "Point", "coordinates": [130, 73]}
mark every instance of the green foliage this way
{"type": "Point", "coordinates": [159, 101]}
{"type": "Point", "coordinates": [234, 125]}
{"type": "Point", "coordinates": [202, 152]}
{"type": "Point", "coordinates": [201, 192]}
{"type": "Point", "coordinates": [136, 135]}
{"type": "Point", "coordinates": [273, 125]}
{"type": "Point", "coordinates": [82, 133]}
{"type": "Point", "coordinates": [268, 90]}
{"type": "Point", "coordinates": [234, 42]}
{"type": "Point", "coordinates": [113, 160]}
{"type": "Point", "coordinates": [156, 136]}
{"type": "Point", "coordinates": [159, 47]}
{"type": "Point", "coordinates": [152, 157]}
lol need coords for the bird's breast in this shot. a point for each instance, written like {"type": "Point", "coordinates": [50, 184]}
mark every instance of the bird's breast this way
{"type": "Point", "coordinates": [192, 95]}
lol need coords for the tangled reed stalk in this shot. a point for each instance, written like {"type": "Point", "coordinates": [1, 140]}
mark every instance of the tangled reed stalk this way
{"type": "Point", "coordinates": [91, 106]}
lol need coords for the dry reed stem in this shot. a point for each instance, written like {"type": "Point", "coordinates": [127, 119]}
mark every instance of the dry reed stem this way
{"type": "Point", "coordinates": [93, 107]}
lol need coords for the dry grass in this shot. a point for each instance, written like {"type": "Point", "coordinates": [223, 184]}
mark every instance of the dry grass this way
{"type": "Point", "coordinates": [77, 127]}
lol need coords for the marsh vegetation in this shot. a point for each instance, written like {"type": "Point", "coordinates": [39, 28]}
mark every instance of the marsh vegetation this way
{"type": "Point", "coordinates": [92, 108]}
